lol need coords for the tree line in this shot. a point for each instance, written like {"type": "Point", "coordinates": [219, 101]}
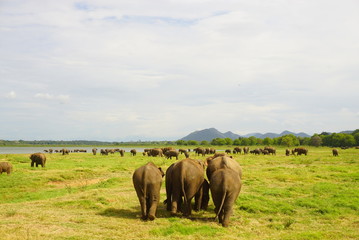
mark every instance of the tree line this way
{"type": "Point", "coordinates": [323, 139]}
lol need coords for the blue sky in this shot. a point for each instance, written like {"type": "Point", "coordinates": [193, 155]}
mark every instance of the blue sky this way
{"type": "Point", "coordinates": [158, 70]}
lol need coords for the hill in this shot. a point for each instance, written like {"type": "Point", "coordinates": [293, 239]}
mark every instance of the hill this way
{"type": "Point", "coordinates": [208, 135]}
{"type": "Point", "coordinates": [211, 133]}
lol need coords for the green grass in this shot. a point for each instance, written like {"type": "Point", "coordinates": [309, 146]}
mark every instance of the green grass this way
{"type": "Point", "coordinates": [81, 196]}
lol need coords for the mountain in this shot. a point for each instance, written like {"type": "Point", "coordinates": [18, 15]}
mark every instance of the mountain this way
{"type": "Point", "coordinates": [211, 133]}
{"type": "Point", "coordinates": [275, 135]}
{"type": "Point", "coordinates": [208, 135]}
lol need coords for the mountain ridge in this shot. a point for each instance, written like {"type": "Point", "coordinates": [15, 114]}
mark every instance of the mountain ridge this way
{"type": "Point", "coordinates": [211, 133]}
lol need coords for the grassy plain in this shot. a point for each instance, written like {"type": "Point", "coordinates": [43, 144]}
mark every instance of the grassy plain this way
{"type": "Point", "coordinates": [81, 196]}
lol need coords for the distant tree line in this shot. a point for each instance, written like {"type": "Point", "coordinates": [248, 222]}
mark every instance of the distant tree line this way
{"type": "Point", "coordinates": [323, 139]}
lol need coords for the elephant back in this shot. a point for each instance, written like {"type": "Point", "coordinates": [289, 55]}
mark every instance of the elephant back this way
{"type": "Point", "coordinates": [221, 163]}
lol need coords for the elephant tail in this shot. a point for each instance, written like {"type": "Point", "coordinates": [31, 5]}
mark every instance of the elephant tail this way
{"type": "Point", "coordinates": [144, 191]}
{"type": "Point", "coordinates": [182, 187]}
{"type": "Point", "coordinates": [221, 206]}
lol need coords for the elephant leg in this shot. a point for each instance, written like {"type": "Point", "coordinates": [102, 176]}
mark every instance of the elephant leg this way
{"type": "Point", "coordinates": [175, 201]}
{"type": "Point", "coordinates": [189, 207]}
{"type": "Point", "coordinates": [32, 163]}
{"type": "Point", "coordinates": [148, 206]}
{"type": "Point", "coordinates": [37, 164]}
{"type": "Point", "coordinates": [169, 200]}
{"type": "Point", "coordinates": [228, 210]}
{"type": "Point", "coordinates": [143, 207]}
{"type": "Point", "coordinates": [220, 216]}
{"type": "Point", "coordinates": [142, 201]}
{"type": "Point", "coordinates": [153, 206]}
{"type": "Point", "coordinates": [198, 199]}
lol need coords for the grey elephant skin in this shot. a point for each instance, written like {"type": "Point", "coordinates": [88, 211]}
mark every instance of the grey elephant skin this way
{"type": "Point", "coordinates": [221, 162]}
{"type": "Point", "coordinates": [147, 181]}
{"type": "Point", "coordinates": [225, 176]}
{"type": "Point", "coordinates": [225, 185]}
{"type": "Point", "coordinates": [185, 180]}
{"type": "Point", "coordinates": [38, 159]}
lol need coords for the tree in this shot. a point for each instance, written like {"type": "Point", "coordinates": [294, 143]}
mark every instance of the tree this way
{"type": "Point", "coordinates": [356, 137]}
{"type": "Point", "coordinates": [181, 142]}
{"type": "Point", "coordinates": [192, 142]}
{"type": "Point", "coordinates": [289, 140]}
{"type": "Point", "coordinates": [245, 142]}
{"type": "Point", "coordinates": [204, 142]}
{"type": "Point", "coordinates": [218, 141]}
{"type": "Point", "coordinates": [252, 140]}
{"type": "Point", "coordinates": [267, 141]}
{"type": "Point", "coordinates": [316, 140]}
{"type": "Point", "coordinates": [228, 141]}
{"type": "Point", "coordinates": [237, 142]}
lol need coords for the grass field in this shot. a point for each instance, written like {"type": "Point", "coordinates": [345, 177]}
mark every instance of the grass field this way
{"type": "Point", "coordinates": [81, 196]}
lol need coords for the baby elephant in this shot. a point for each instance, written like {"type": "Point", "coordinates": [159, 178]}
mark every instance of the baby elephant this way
{"type": "Point", "coordinates": [225, 185]}
{"type": "Point", "coordinates": [38, 159]}
{"type": "Point", "coordinates": [5, 167]}
{"type": "Point", "coordinates": [147, 181]}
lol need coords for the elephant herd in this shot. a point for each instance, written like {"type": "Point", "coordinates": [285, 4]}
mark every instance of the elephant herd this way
{"type": "Point", "coordinates": [185, 180]}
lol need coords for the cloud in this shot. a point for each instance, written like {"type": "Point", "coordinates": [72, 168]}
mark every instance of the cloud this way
{"type": "Point", "coordinates": [11, 95]}
{"type": "Point", "coordinates": [47, 96]}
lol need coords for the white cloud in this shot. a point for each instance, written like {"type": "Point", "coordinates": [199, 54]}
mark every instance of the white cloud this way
{"type": "Point", "coordinates": [62, 98]}
{"type": "Point", "coordinates": [11, 95]}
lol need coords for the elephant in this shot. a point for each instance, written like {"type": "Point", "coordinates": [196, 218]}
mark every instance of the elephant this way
{"type": "Point", "coordinates": [210, 151]}
{"type": "Point", "coordinates": [171, 153]}
{"type": "Point", "coordinates": [186, 178]}
{"type": "Point", "coordinates": [147, 181]}
{"type": "Point", "coordinates": [165, 149]}
{"type": "Point", "coordinates": [94, 151]}
{"type": "Point", "coordinates": [104, 152]}
{"type": "Point", "coordinates": [287, 152]}
{"type": "Point", "coordinates": [133, 152]}
{"type": "Point", "coordinates": [225, 185]}
{"type": "Point", "coordinates": [228, 151]}
{"type": "Point", "coordinates": [271, 150]}
{"type": "Point", "coordinates": [122, 152]}
{"type": "Point", "coordinates": [301, 150]}
{"type": "Point", "coordinates": [335, 152]}
{"type": "Point", "coordinates": [181, 150]}
{"type": "Point", "coordinates": [265, 151]}
{"type": "Point", "coordinates": [155, 152]}
{"type": "Point", "coordinates": [38, 159]}
{"type": "Point", "coordinates": [168, 181]}
{"type": "Point", "coordinates": [256, 151]}
{"type": "Point", "coordinates": [237, 150]}
{"type": "Point", "coordinates": [199, 151]}
{"type": "Point", "coordinates": [202, 194]}
{"type": "Point", "coordinates": [65, 151]}
{"type": "Point", "coordinates": [222, 162]}
{"type": "Point", "coordinates": [5, 167]}
{"type": "Point", "coordinates": [245, 150]}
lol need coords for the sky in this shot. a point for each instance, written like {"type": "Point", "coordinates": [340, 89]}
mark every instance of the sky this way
{"type": "Point", "coordinates": [124, 70]}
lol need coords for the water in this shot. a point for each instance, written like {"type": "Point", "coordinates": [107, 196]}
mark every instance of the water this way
{"type": "Point", "coordinates": [30, 150]}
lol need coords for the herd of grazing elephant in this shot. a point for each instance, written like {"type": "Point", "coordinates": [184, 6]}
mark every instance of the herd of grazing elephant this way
{"type": "Point", "coordinates": [185, 181]}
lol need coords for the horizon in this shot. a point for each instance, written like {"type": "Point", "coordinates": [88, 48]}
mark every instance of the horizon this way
{"type": "Point", "coordinates": [149, 140]}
